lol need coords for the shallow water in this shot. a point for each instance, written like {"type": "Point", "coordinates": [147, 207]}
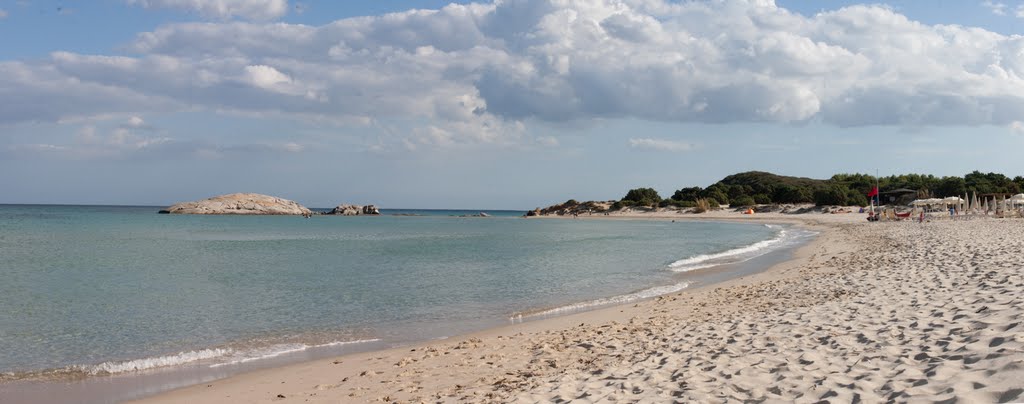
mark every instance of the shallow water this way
{"type": "Point", "coordinates": [112, 290]}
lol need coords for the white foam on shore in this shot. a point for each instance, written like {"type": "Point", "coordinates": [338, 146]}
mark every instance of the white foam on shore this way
{"type": "Point", "coordinates": [735, 255]}
{"type": "Point", "coordinates": [280, 349]}
{"type": "Point", "coordinates": [181, 358]}
{"type": "Point", "coordinates": [220, 357]}
{"type": "Point", "coordinates": [643, 294]}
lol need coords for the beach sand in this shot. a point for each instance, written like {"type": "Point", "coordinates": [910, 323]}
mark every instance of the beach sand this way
{"type": "Point", "coordinates": [867, 312]}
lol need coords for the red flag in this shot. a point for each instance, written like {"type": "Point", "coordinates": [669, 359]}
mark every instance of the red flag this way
{"type": "Point", "coordinates": [874, 191]}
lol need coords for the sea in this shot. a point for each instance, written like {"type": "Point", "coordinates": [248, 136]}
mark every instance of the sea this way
{"type": "Point", "coordinates": [108, 303]}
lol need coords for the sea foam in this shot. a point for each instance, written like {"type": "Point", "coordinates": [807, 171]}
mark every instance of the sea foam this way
{"type": "Point", "coordinates": [218, 356]}
{"type": "Point", "coordinates": [643, 294]}
{"type": "Point", "coordinates": [278, 350]}
{"type": "Point", "coordinates": [135, 365]}
{"type": "Point", "coordinates": [732, 256]}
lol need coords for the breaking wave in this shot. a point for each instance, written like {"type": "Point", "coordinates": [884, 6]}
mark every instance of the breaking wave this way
{"type": "Point", "coordinates": [730, 256]}
{"type": "Point", "coordinates": [213, 358]}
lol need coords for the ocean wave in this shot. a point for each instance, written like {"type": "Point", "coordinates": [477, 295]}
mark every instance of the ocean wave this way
{"type": "Point", "coordinates": [135, 365]}
{"type": "Point", "coordinates": [278, 350]}
{"type": "Point", "coordinates": [643, 294]}
{"type": "Point", "coordinates": [216, 357]}
{"type": "Point", "coordinates": [735, 255]}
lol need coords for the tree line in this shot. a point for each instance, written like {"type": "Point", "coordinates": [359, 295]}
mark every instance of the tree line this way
{"type": "Point", "coordinates": [756, 187]}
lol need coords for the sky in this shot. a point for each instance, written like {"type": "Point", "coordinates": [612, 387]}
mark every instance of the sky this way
{"type": "Point", "coordinates": [506, 104]}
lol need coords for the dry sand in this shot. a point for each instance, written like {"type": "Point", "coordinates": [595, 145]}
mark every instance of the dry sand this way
{"type": "Point", "coordinates": [869, 312]}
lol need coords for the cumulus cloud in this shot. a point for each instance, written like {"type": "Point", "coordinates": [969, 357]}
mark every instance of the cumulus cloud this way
{"type": "Point", "coordinates": [223, 9]}
{"type": "Point", "coordinates": [660, 144]}
{"type": "Point", "coordinates": [481, 72]}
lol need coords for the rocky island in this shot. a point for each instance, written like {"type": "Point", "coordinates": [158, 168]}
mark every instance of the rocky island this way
{"type": "Point", "coordinates": [354, 210]}
{"type": "Point", "coordinates": [239, 204]}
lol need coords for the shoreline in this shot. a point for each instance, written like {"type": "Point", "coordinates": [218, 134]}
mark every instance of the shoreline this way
{"type": "Point", "coordinates": [864, 311]}
{"type": "Point", "coordinates": [162, 380]}
{"type": "Point", "coordinates": [380, 361]}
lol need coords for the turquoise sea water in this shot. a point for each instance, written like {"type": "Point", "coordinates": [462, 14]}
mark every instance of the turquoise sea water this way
{"type": "Point", "coordinates": [92, 290]}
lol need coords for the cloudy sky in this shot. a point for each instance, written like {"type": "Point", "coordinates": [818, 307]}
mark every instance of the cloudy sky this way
{"type": "Point", "coordinates": [505, 104]}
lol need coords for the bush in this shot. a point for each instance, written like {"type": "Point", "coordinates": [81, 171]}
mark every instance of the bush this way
{"type": "Point", "coordinates": [762, 199]}
{"type": "Point", "coordinates": [832, 195]}
{"type": "Point", "coordinates": [642, 194]}
{"type": "Point", "coordinates": [742, 201]}
{"type": "Point", "coordinates": [677, 204]}
{"type": "Point", "coordinates": [622, 204]}
{"type": "Point", "coordinates": [716, 193]}
{"type": "Point", "coordinates": [856, 198]}
{"type": "Point", "coordinates": [687, 194]}
{"type": "Point", "coordinates": [792, 194]}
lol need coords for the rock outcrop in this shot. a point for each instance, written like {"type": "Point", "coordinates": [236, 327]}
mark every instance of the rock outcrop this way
{"type": "Point", "coordinates": [354, 210]}
{"type": "Point", "coordinates": [571, 207]}
{"type": "Point", "coordinates": [239, 204]}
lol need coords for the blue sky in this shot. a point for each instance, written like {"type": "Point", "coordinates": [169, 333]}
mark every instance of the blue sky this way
{"type": "Point", "coordinates": [514, 104]}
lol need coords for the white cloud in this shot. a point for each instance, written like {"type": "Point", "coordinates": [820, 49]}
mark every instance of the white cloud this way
{"type": "Point", "coordinates": [1020, 11]}
{"type": "Point", "coordinates": [995, 7]}
{"type": "Point", "coordinates": [136, 122]}
{"type": "Point", "coordinates": [1017, 127]}
{"type": "Point", "coordinates": [660, 144]}
{"type": "Point", "coordinates": [266, 76]}
{"type": "Point", "coordinates": [479, 73]}
{"type": "Point", "coordinates": [259, 10]}
{"type": "Point", "coordinates": [293, 147]}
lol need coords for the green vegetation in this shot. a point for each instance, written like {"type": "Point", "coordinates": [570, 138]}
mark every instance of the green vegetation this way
{"type": "Point", "coordinates": [642, 197]}
{"type": "Point", "coordinates": [761, 188]}
{"type": "Point", "coordinates": [756, 187]}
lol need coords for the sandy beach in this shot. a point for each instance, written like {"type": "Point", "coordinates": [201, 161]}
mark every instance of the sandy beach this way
{"type": "Point", "coordinates": [868, 312]}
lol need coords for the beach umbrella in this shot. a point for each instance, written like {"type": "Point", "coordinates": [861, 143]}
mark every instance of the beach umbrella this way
{"type": "Point", "coordinates": [974, 201]}
{"type": "Point", "coordinates": [1017, 199]}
